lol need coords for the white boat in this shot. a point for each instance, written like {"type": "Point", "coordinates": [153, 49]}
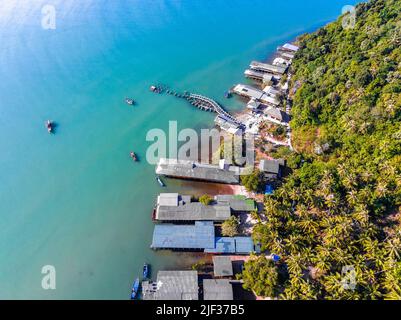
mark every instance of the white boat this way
{"type": "Point", "coordinates": [129, 101]}
{"type": "Point", "coordinates": [49, 126]}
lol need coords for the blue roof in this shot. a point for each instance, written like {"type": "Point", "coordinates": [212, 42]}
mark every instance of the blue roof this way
{"type": "Point", "coordinates": [244, 245]}
{"type": "Point", "coordinates": [223, 245]}
{"type": "Point", "coordinates": [236, 245]}
{"type": "Point", "coordinates": [197, 236]}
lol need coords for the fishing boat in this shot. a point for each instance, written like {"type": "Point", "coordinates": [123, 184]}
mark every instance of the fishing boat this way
{"type": "Point", "coordinates": [129, 101]}
{"type": "Point", "coordinates": [133, 156]}
{"type": "Point", "coordinates": [146, 268]}
{"type": "Point", "coordinates": [160, 181]}
{"type": "Point", "coordinates": [227, 94]}
{"type": "Point", "coordinates": [49, 126]}
{"type": "Point", "coordinates": [135, 289]}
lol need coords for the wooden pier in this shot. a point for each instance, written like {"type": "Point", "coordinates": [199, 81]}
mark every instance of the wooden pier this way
{"type": "Point", "coordinates": [201, 102]}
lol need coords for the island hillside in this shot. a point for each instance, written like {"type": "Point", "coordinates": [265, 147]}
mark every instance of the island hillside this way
{"type": "Point", "coordinates": [335, 221]}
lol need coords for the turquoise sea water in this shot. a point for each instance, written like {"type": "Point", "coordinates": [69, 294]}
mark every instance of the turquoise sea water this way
{"type": "Point", "coordinates": [75, 200]}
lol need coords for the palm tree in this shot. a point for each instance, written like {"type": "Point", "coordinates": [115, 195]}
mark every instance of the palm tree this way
{"type": "Point", "coordinates": [293, 243]}
{"type": "Point", "coordinates": [309, 226]}
{"type": "Point", "coordinates": [352, 197]}
{"type": "Point", "coordinates": [295, 264]}
{"type": "Point", "coordinates": [309, 196]}
{"type": "Point", "coordinates": [350, 181]}
{"type": "Point", "coordinates": [361, 214]}
{"type": "Point", "coordinates": [381, 189]}
{"type": "Point", "coordinates": [302, 211]}
{"type": "Point", "coordinates": [393, 248]}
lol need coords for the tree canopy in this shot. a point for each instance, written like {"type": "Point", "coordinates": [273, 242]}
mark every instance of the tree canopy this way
{"type": "Point", "coordinates": [229, 228]}
{"type": "Point", "coordinates": [206, 199]}
{"type": "Point", "coordinates": [340, 207]}
{"type": "Point", "coordinates": [253, 181]}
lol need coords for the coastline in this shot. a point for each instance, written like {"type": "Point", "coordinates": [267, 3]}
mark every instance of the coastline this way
{"type": "Point", "coordinates": [78, 193]}
{"type": "Point", "coordinates": [197, 189]}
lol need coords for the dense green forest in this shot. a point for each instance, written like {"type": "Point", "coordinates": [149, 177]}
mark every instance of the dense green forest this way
{"type": "Point", "coordinates": [340, 206]}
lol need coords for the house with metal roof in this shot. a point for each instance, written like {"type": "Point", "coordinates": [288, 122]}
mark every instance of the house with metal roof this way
{"type": "Point", "coordinates": [173, 207]}
{"type": "Point", "coordinates": [223, 245]}
{"type": "Point", "coordinates": [255, 94]}
{"type": "Point", "coordinates": [217, 290]}
{"type": "Point", "coordinates": [199, 237]}
{"type": "Point", "coordinates": [222, 266]}
{"type": "Point", "coordinates": [271, 167]}
{"type": "Point", "coordinates": [287, 55]}
{"type": "Point", "coordinates": [172, 285]}
{"type": "Point", "coordinates": [271, 91]}
{"type": "Point", "coordinates": [275, 113]}
{"type": "Point", "coordinates": [234, 245]}
{"type": "Point", "coordinates": [270, 100]}
{"type": "Point", "coordinates": [261, 76]}
{"type": "Point", "coordinates": [281, 62]}
{"type": "Point", "coordinates": [289, 47]}
{"type": "Point", "coordinates": [253, 104]}
{"type": "Point", "coordinates": [248, 91]}
{"type": "Point", "coordinates": [245, 245]}
{"type": "Point", "coordinates": [170, 199]}
{"type": "Point", "coordinates": [191, 170]}
{"type": "Point", "coordinates": [196, 237]}
{"type": "Point", "coordinates": [237, 203]}
{"type": "Point", "coordinates": [267, 68]}
{"type": "Point", "coordinates": [228, 125]}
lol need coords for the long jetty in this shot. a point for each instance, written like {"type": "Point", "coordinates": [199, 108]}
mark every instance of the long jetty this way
{"type": "Point", "coordinates": [201, 102]}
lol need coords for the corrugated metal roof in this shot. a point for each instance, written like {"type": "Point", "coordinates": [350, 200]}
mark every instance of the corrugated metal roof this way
{"type": "Point", "coordinates": [254, 93]}
{"type": "Point", "coordinates": [222, 266]}
{"type": "Point", "coordinates": [168, 199]}
{"type": "Point", "coordinates": [248, 91]}
{"type": "Point", "coordinates": [271, 166]}
{"type": "Point", "coordinates": [287, 55]}
{"type": "Point", "coordinates": [290, 47]}
{"type": "Point", "coordinates": [186, 210]}
{"type": "Point", "coordinates": [172, 285]}
{"type": "Point", "coordinates": [196, 171]}
{"type": "Point", "coordinates": [274, 113]}
{"type": "Point", "coordinates": [266, 67]}
{"type": "Point", "coordinates": [244, 245]}
{"type": "Point", "coordinates": [261, 75]}
{"type": "Point", "coordinates": [223, 245]}
{"type": "Point", "coordinates": [228, 125]}
{"type": "Point", "coordinates": [217, 289]}
{"type": "Point", "coordinates": [237, 203]}
{"type": "Point", "coordinates": [193, 211]}
{"type": "Point", "coordinates": [197, 236]}
{"type": "Point", "coordinates": [235, 245]}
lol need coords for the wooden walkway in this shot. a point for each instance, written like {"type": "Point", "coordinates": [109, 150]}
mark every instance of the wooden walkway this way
{"type": "Point", "coordinates": [211, 104]}
{"type": "Point", "coordinates": [202, 103]}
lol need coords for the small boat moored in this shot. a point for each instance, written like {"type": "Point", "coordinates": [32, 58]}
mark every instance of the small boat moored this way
{"type": "Point", "coordinates": [146, 268]}
{"type": "Point", "coordinates": [135, 289]}
{"type": "Point", "coordinates": [133, 156]}
{"type": "Point", "coordinates": [160, 181]}
{"type": "Point", "coordinates": [129, 101]}
{"type": "Point", "coordinates": [154, 89]}
{"type": "Point", "coordinates": [157, 88]}
{"type": "Point", "coordinates": [227, 94]}
{"type": "Point", "coordinates": [49, 126]}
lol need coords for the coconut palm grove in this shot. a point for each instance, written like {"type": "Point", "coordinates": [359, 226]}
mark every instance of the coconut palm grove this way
{"type": "Point", "coordinates": [339, 207]}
